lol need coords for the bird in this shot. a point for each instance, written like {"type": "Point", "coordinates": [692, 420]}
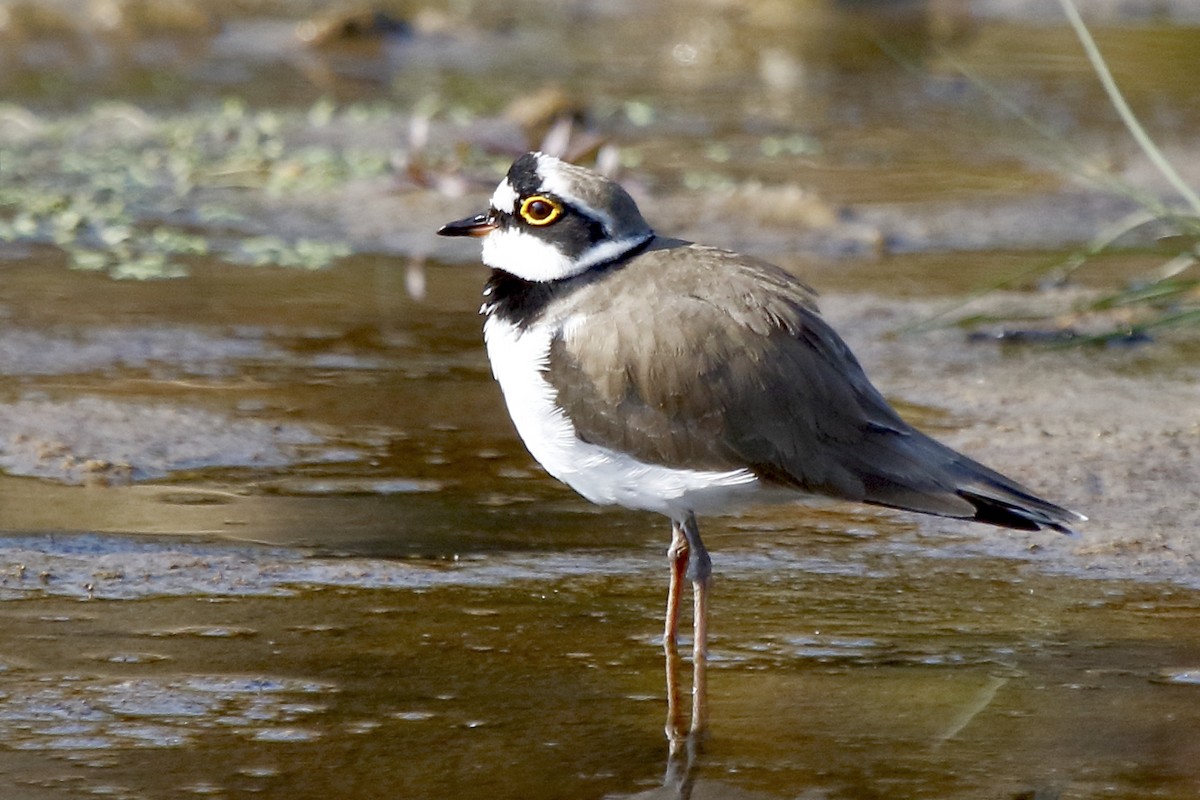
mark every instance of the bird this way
{"type": "Point", "coordinates": [668, 376]}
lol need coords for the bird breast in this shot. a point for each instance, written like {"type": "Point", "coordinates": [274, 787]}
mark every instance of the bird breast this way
{"type": "Point", "coordinates": [519, 358]}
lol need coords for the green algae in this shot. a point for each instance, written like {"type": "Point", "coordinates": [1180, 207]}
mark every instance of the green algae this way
{"type": "Point", "coordinates": [138, 195]}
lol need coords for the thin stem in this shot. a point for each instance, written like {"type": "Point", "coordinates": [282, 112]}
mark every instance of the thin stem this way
{"type": "Point", "coordinates": [1118, 101]}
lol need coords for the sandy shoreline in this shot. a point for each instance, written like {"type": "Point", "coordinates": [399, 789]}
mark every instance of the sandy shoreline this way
{"type": "Point", "coordinates": [1080, 426]}
{"type": "Point", "coordinates": [1122, 448]}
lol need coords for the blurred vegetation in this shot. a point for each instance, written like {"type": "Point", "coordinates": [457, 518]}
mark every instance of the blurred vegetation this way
{"type": "Point", "coordinates": [1165, 297]}
{"type": "Point", "coordinates": [1172, 296]}
{"type": "Point", "coordinates": [136, 195]}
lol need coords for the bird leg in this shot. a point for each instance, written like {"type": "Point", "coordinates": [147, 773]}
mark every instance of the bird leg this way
{"type": "Point", "coordinates": [689, 559]}
{"type": "Point", "coordinates": [699, 570]}
{"type": "Point", "coordinates": [677, 554]}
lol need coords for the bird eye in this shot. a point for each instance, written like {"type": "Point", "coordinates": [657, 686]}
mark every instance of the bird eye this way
{"type": "Point", "coordinates": [540, 210]}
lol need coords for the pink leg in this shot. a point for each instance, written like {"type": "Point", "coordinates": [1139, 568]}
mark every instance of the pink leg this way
{"type": "Point", "coordinates": [689, 559]}
{"type": "Point", "coordinates": [700, 656]}
{"type": "Point", "coordinates": [677, 553]}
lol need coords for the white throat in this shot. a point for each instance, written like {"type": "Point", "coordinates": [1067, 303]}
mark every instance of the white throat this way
{"type": "Point", "coordinates": [520, 253]}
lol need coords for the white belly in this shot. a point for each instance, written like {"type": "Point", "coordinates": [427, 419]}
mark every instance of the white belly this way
{"type": "Point", "coordinates": [519, 359]}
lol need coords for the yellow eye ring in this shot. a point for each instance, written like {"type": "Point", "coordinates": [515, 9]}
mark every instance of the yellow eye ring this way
{"type": "Point", "coordinates": [540, 210]}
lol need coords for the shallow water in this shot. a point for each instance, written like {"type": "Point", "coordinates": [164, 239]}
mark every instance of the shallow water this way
{"type": "Point", "coordinates": [268, 532]}
{"type": "Point", "coordinates": [840, 667]}
{"type": "Point", "coordinates": [423, 613]}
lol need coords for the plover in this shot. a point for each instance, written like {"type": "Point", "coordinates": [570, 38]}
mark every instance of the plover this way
{"type": "Point", "coordinates": [669, 376]}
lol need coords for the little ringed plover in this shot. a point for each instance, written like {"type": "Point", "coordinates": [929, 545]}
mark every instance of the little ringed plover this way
{"type": "Point", "coordinates": [669, 376]}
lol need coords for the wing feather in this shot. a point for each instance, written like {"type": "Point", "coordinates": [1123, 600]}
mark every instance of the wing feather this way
{"type": "Point", "coordinates": [733, 367]}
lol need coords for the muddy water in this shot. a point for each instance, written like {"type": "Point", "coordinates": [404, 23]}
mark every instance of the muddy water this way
{"type": "Point", "coordinates": [843, 675]}
{"type": "Point", "coordinates": [414, 610]}
{"type": "Point", "coordinates": [268, 532]}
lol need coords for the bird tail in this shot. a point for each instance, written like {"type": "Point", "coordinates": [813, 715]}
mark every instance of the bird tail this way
{"type": "Point", "coordinates": [1014, 507]}
{"type": "Point", "coordinates": [941, 481]}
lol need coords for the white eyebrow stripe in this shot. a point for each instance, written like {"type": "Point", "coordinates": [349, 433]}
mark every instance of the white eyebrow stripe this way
{"type": "Point", "coordinates": [557, 183]}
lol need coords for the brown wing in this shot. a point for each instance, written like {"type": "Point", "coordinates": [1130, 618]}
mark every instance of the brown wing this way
{"type": "Point", "coordinates": [736, 369]}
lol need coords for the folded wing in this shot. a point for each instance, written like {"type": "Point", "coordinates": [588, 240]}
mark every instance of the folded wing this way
{"type": "Point", "coordinates": [738, 370]}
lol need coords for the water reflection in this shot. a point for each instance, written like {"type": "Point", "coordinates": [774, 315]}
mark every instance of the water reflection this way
{"type": "Point", "coordinates": [684, 736]}
{"type": "Point", "coordinates": [231, 664]}
{"type": "Point", "coordinates": [438, 618]}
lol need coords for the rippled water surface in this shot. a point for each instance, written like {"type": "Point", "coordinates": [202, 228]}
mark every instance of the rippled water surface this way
{"type": "Point", "coordinates": [841, 666]}
{"type": "Point", "coordinates": [417, 611]}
